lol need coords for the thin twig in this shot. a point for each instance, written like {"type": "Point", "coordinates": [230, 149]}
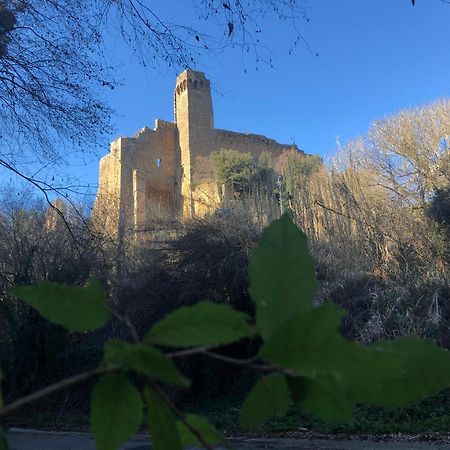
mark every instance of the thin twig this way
{"type": "Point", "coordinates": [190, 351]}
{"type": "Point", "coordinates": [246, 362]}
{"type": "Point", "coordinates": [64, 384]}
{"type": "Point", "coordinates": [249, 362]}
{"type": "Point", "coordinates": [128, 323]}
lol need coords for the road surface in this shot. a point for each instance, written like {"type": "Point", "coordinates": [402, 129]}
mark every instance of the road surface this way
{"type": "Point", "coordinates": [38, 440]}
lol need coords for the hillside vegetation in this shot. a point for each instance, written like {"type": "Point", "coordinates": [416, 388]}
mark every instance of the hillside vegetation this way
{"type": "Point", "coordinates": [378, 222]}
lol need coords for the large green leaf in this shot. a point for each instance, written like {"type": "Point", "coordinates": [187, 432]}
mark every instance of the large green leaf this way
{"type": "Point", "coordinates": [77, 309]}
{"type": "Point", "coordinates": [116, 411]}
{"type": "Point", "coordinates": [426, 372]}
{"type": "Point", "coordinates": [3, 441]}
{"type": "Point", "coordinates": [336, 373]}
{"type": "Point", "coordinates": [146, 360]}
{"type": "Point", "coordinates": [269, 397]}
{"type": "Point", "coordinates": [162, 427]}
{"type": "Point", "coordinates": [282, 275]}
{"type": "Point", "coordinates": [207, 431]}
{"type": "Point", "coordinates": [311, 344]}
{"type": "Point", "coordinates": [205, 323]}
{"type": "Point", "coordinates": [323, 397]}
{"type": "Point", "coordinates": [308, 342]}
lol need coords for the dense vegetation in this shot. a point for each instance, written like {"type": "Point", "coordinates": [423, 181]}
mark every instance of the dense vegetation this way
{"type": "Point", "coordinates": [300, 358]}
{"type": "Point", "coordinates": [377, 218]}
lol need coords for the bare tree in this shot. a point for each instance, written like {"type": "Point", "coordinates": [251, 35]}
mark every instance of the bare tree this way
{"type": "Point", "coordinates": [366, 214]}
{"type": "Point", "coordinates": [409, 151]}
{"type": "Point", "coordinates": [236, 23]}
{"type": "Point", "coordinates": [50, 72]}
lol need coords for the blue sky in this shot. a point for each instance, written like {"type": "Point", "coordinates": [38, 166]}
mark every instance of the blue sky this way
{"type": "Point", "coordinates": [375, 57]}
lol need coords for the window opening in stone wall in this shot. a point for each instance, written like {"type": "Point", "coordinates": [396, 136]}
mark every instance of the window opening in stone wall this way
{"type": "Point", "coordinates": [158, 162]}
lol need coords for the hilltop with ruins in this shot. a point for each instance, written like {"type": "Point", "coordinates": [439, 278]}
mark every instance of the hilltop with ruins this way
{"type": "Point", "coordinates": [161, 173]}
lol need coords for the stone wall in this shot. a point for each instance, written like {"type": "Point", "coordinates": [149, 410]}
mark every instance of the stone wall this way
{"type": "Point", "coordinates": [138, 179]}
{"type": "Point", "coordinates": [249, 143]}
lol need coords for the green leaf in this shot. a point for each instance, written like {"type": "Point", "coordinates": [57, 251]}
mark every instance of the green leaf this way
{"type": "Point", "coordinates": [145, 360]}
{"type": "Point", "coordinates": [116, 411]}
{"type": "Point", "coordinates": [426, 372]}
{"type": "Point", "coordinates": [269, 397]}
{"type": "Point", "coordinates": [204, 323]}
{"type": "Point", "coordinates": [3, 441]}
{"type": "Point", "coordinates": [282, 275]}
{"type": "Point", "coordinates": [311, 344]}
{"type": "Point", "coordinates": [77, 309]}
{"type": "Point", "coordinates": [336, 373]}
{"type": "Point", "coordinates": [323, 397]}
{"type": "Point", "coordinates": [308, 342]}
{"type": "Point", "coordinates": [162, 427]}
{"type": "Point", "coordinates": [207, 431]}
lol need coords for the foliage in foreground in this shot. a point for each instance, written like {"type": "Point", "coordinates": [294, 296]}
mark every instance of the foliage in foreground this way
{"type": "Point", "coordinates": [303, 359]}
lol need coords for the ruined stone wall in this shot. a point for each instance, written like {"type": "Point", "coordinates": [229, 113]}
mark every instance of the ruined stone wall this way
{"type": "Point", "coordinates": [156, 171]}
{"type": "Point", "coordinates": [248, 143]}
{"type": "Point", "coordinates": [106, 212]}
{"type": "Point", "coordinates": [138, 179]}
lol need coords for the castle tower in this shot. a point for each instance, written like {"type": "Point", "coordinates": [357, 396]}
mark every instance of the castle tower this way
{"type": "Point", "coordinates": [195, 123]}
{"type": "Point", "coordinates": [166, 172]}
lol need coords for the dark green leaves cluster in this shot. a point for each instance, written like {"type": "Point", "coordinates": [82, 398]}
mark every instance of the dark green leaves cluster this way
{"type": "Point", "coordinates": [303, 357]}
{"type": "Point", "coordinates": [327, 375]}
{"type": "Point", "coordinates": [117, 408]}
{"type": "Point", "coordinates": [235, 169]}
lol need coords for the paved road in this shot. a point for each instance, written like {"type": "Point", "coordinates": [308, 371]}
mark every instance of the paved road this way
{"type": "Point", "coordinates": [30, 440]}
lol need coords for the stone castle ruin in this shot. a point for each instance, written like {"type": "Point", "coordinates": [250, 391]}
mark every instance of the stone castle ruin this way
{"type": "Point", "coordinates": [160, 173]}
